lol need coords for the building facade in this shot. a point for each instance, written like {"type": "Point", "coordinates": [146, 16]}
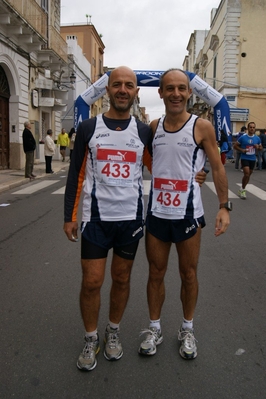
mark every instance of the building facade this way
{"type": "Point", "coordinates": [232, 60]}
{"type": "Point", "coordinates": [33, 61]}
{"type": "Point", "coordinates": [90, 41]}
{"type": "Point", "coordinates": [82, 71]}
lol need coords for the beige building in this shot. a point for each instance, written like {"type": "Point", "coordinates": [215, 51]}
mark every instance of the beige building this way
{"type": "Point", "coordinates": [93, 49]}
{"type": "Point", "coordinates": [232, 59]}
{"type": "Point", "coordinates": [33, 62]}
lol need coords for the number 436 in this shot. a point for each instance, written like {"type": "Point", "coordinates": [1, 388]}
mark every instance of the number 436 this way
{"type": "Point", "coordinates": [167, 200]}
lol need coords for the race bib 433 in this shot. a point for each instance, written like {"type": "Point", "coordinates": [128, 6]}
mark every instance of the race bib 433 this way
{"type": "Point", "coordinates": [116, 167]}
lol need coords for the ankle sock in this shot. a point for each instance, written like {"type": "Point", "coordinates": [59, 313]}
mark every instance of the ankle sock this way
{"type": "Point", "coordinates": [113, 326]}
{"type": "Point", "coordinates": [187, 324]}
{"type": "Point", "coordinates": [91, 334]}
{"type": "Point", "coordinates": [156, 324]}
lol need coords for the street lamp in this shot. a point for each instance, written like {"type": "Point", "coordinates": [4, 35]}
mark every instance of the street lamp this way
{"type": "Point", "coordinates": [72, 78]}
{"type": "Point", "coordinates": [61, 85]}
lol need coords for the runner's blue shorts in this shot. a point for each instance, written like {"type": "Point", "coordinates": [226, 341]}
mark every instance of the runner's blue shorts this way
{"type": "Point", "coordinates": [176, 230]}
{"type": "Point", "coordinates": [98, 237]}
{"type": "Point", "coordinates": [246, 162]}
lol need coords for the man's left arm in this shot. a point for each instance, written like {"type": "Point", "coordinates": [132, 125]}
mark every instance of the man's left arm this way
{"type": "Point", "coordinates": [208, 140]}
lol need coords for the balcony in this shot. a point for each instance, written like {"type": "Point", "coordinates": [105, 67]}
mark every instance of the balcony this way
{"type": "Point", "coordinates": [214, 44]}
{"type": "Point", "coordinates": [32, 13]}
{"type": "Point", "coordinates": [57, 45]}
{"type": "Point", "coordinates": [27, 21]}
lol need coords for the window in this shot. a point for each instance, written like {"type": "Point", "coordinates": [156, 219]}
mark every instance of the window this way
{"type": "Point", "coordinates": [214, 71]}
{"type": "Point", "coordinates": [44, 5]}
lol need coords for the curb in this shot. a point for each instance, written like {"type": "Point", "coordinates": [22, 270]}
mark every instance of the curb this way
{"type": "Point", "coordinates": [20, 181]}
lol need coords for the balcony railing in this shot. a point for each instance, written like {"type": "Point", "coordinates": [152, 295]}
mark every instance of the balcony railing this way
{"type": "Point", "coordinates": [31, 12]}
{"type": "Point", "coordinates": [36, 17]}
{"type": "Point", "coordinates": [57, 43]}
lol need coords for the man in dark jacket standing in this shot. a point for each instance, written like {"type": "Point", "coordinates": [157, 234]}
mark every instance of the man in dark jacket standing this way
{"type": "Point", "coordinates": [29, 145]}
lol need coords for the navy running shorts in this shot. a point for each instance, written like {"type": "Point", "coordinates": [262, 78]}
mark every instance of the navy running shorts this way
{"type": "Point", "coordinates": [98, 237]}
{"type": "Point", "coordinates": [177, 230]}
{"type": "Point", "coordinates": [246, 162]}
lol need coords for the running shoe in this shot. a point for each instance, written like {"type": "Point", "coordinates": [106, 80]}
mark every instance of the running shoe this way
{"type": "Point", "coordinates": [152, 339]}
{"type": "Point", "coordinates": [188, 348]}
{"type": "Point", "coordinates": [87, 359]}
{"type": "Point", "coordinates": [113, 348]}
{"type": "Point", "coordinates": [242, 194]}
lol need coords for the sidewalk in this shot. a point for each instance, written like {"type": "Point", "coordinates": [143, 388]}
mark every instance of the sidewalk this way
{"type": "Point", "coordinates": [10, 178]}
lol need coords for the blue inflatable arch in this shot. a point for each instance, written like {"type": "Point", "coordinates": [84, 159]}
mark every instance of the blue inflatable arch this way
{"type": "Point", "coordinates": [151, 79]}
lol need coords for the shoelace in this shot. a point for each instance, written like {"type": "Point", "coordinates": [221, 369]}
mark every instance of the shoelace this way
{"type": "Point", "coordinates": [89, 349]}
{"type": "Point", "coordinates": [187, 337]}
{"type": "Point", "coordinates": [113, 339]}
{"type": "Point", "coordinates": [151, 335]}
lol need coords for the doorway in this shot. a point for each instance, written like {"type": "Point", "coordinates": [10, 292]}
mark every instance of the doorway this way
{"type": "Point", "coordinates": [4, 120]}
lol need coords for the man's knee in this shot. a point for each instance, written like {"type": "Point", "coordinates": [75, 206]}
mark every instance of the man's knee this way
{"type": "Point", "coordinates": [92, 275]}
{"type": "Point", "coordinates": [189, 274]}
{"type": "Point", "coordinates": [90, 283]}
{"type": "Point", "coordinates": [121, 270]}
{"type": "Point", "coordinates": [157, 272]}
{"type": "Point", "coordinates": [121, 277]}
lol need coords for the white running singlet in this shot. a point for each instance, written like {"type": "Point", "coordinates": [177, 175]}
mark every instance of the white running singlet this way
{"type": "Point", "coordinates": [176, 160]}
{"type": "Point", "coordinates": [114, 172]}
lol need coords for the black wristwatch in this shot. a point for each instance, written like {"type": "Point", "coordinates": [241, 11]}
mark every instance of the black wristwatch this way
{"type": "Point", "coordinates": [227, 205]}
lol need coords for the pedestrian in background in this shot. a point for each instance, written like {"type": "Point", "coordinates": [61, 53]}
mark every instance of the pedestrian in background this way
{"type": "Point", "coordinates": [223, 143]}
{"type": "Point", "coordinates": [247, 144]}
{"type": "Point", "coordinates": [260, 152]}
{"type": "Point", "coordinates": [63, 142]}
{"type": "Point", "coordinates": [238, 153]}
{"type": "Point", "coordinates": [263, 143]}
{"type": "Point", "coordinates": [71, 136]}
{"type": "Point", "coordinates": [29, 146]}
{"type": "Point", "coordinates": [49, 151]}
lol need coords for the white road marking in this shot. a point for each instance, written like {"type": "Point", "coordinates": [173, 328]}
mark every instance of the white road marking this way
{"type": "Point", "coordinates": [212, 187]}
{"type": "Point", "coordinates": [147, 186]}
{"type": "Point", "coordinates": [258, 192]}
{"type": "Point", "coordinates": [261, 194]}
{"type": "Point", "coordinates": [60, 190]}
{"type": "Point", "coordinates": [36, 187]}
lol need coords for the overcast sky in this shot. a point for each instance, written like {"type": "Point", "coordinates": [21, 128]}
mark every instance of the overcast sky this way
{"type": "Point", "coordinates": [143, 34]}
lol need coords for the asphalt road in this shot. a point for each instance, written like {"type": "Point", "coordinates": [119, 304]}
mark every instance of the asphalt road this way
{"type": "Point", "coordinates": [42, 333]}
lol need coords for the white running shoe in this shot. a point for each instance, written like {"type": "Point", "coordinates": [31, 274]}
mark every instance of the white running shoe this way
{"type": "Point", "coordinates": [152, 339]}
{"type": "Point", "coordinates": [188, 347]}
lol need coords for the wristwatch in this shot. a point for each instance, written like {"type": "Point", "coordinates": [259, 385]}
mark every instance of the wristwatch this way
{"type": "Point", "coordinates": [227, 205]}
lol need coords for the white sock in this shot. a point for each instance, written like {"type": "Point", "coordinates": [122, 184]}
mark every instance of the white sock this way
{"type": "Point", "coordinates": [187, 324]}
{"type": "Point", "coordinates": [92, 333]}
{"type": "Point", "coordinates": [114, 326]}
{"type": "Point", "coordinates": [156, 324]}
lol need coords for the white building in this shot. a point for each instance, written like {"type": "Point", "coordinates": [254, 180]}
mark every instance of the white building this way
{"type": "Point", "coordinates": [232, 60]}
{"type": "Point", "coordinates": [36, 69]}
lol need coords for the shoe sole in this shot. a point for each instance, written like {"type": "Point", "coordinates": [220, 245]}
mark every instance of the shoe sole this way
{"type": "Point", "coordinates": [187, 356]}
{"type": "Point", "coordinates": [113, 358]}
{"type": "Point", "coordinates": [84, 368]}
{"type": "Point", "coordinates": [145, 353]}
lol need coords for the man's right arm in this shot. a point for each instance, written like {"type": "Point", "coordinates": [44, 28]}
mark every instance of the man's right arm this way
{"type": "Point", "coordinates": [76, 176]}
{"type": "Point", "coordinates": [237, 147]}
